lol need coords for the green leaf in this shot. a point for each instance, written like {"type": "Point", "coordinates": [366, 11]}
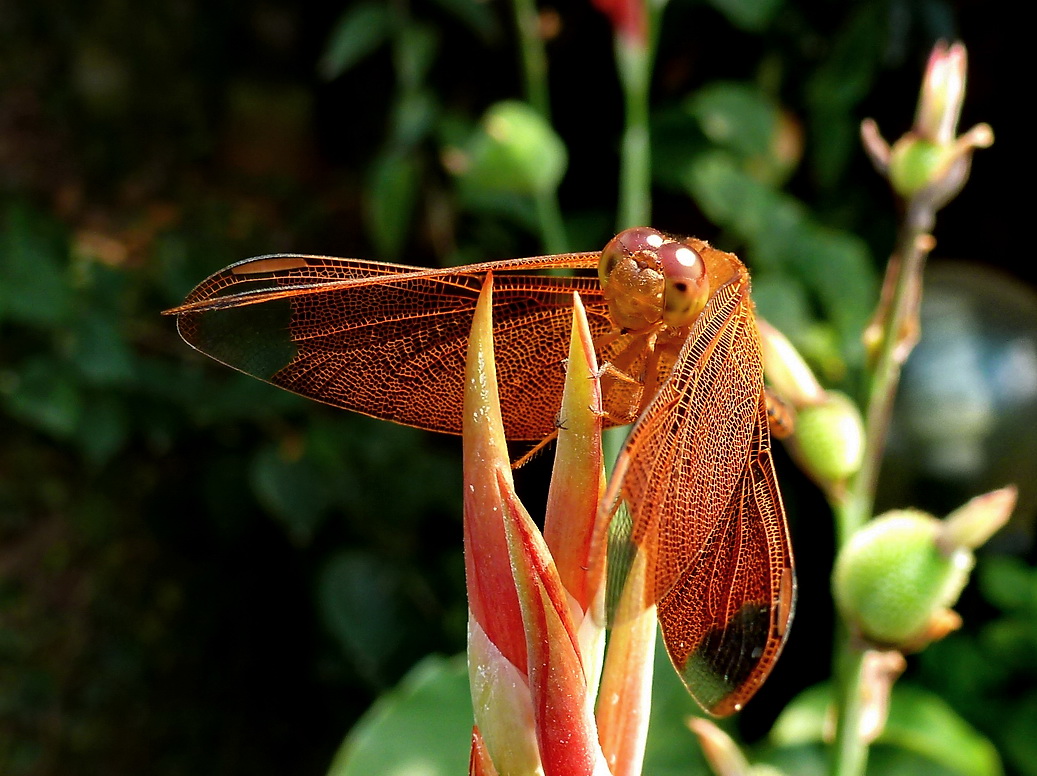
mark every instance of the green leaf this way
{"type": "Point", "coordinates": [924, 723]}
{"type": "Point", "coordinates": [99, 350]}
{"type": "Point", "coordinates": [392, 191]}
{"type": "Point", "coordinates": [34, 289]}
{"type": "Point", "coordinates": [103, 428]}
{"type": "Point", "coordinates": [43, 394]}
{"type": "Point", "coordinates": [753, 210]}
{"type": "Point", "coordinates": [920, 723]}
{"type": "Point", "coordinates": [413, 116]}
{"type": "Point", "coordinates": [422, 727]}
{"type": "Point", "coordinates": [782, 301]}
{"type": "Point", "coordinates": [748, 15]}
{"type": "Point", "coordinates": [1009, 584]}
{"type": "Point", "coordinates": [477, 15]}
{"type": "Point", "coordinates": [735, 115]}
{"type": "Point", "coordinates": [359, 31]}
{"type": "Point", "coordinates": [802, 721]}
{"type": "Point", "coordinates": [292, 490]}
{"type": "Point", "coordinates": [672, 749]}
{"type": "Point", "coordinates": [842, 80]}
{"type": "Point", "coordinates": [837, 267]}
{"type": "Point", "coordinates": [414, 51]}
{"type": "Point", "coordinates": [363, 605]}
{"type": "Point", "coordinates": [1020, 744]}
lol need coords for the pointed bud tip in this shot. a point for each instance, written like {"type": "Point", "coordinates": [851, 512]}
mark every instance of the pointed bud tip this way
{"type": "Point", "coordinates": [942, 94]}
{"type": "Point", "coordinates": [721, 752]}
{"type": "Point", "coordinates": [972, 524]}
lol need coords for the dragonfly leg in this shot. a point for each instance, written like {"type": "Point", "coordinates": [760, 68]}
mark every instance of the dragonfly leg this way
{"type": "Point", "coordinates": [535, 451]}
{"type": "Point", "coordinates": [780, 416]}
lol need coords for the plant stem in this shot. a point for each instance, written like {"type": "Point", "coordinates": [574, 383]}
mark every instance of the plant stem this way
{"type": "Point", "coordinates": [850, 756]}
{"type": "Point", "coordinates": [898, 316]}
{"type": "Point", "coordinates": [552, 227]}
{"type": "Point", "coordinates": [634, 62]}
{"type": "Point", "coordinates": [534, 59]}
{"type": "Point", "coordinates": [534, 70]}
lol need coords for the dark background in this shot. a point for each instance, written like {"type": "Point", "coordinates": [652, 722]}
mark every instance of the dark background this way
{"type": "Point", "coordinates": [199, 573]}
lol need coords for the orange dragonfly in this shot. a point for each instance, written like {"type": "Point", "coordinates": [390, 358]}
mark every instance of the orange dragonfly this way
{"type": "Point", "coordinates": [673, 321]}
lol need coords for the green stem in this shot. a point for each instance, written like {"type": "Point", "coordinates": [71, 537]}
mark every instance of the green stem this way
{"type": "Point", "coordinates": [634, 62]}
{"type": "Point", "coordinates": [899, 329]}
{"type": "Point", "coordinates": [534, 70]}
{"type": "Point", "coordinates": [850, 753]}
{"type": "Point", "coordinates": [552, 227]}
{"type": "Point", "coordinates": [534, 58]}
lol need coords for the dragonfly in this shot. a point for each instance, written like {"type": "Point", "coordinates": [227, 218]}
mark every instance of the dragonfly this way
{"type": "Point", "coordinates": [673, 323]}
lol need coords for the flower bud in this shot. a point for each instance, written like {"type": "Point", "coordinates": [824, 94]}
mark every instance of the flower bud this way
{"type": "Point", "coordinates": [915, 162]}
{"type": "Point", "coordinates": [786, 370]}
{"type": "Point", "coordinates": [515, 151]}
{"type": "Point", "coordinates": [829, 440]}
{"type": "Point", "coordinates": [892, 580]}
{"type": "Point", "coordinates": [930, 163]}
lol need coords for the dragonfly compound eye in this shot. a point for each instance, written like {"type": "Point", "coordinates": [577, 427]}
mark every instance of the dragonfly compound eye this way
{"type": "Point", "coordinates": [687, 284]}
{"type": "Point", "coordinates": [626, 245]}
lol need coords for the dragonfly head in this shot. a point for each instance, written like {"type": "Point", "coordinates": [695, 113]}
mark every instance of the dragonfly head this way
{"type": "Point", "coordinates": [648, 277]}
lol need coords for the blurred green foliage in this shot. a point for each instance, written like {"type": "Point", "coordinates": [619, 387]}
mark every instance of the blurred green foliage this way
{"type": "Point", "coordinates": [200, 573]}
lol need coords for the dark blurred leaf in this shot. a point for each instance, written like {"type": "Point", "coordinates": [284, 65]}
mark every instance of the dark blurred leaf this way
{"type": "Point", "coordinates": [841, 81]}
{"type": "Point", "coordinates": [1009, 584]}
{"type": "Point", "coordinates": [412, 119]}
{"type": "Point", "coordinates": [100, 351]}
{"type": "Point", "coordinates": [958, 668]}
{"type": "Point", "coordinates": [838, 268]}
{"type": "Point", "coordinates": [361, 602]}
{"type": "Point", "coordinates": [293, 490]}
{"type": "Point", "coordinates": [104, 427]}
{"type": "Point", "coordinates": [1020, 746]}
{"type": "Point", "coordinates": [34, 286]}
{"type": "Point", "coordinates": [422, 726]}
{"type": "Point", "coordinates": [764, 217]}
{"type": "Point", "coordinates": [782, 301]}
{"type": "Point", "coordinates": [735, 115]}
{"type": "Point", "coordinates": [414, 52]}
{"type": "Point", "coordinates": [677, 140]}
{"type": "Point", "coordinates": [392, 192]}
{"type": "Point", "coordinates": [44, 395]}
{"type": "Point", "coordinates": [358, 32]}
{"type": "Point", "coordinates": [749, 15]}
{"type": "Point", "coordinates": [476, 15]}
{"type": "Point", "coordinates": [782, 237]}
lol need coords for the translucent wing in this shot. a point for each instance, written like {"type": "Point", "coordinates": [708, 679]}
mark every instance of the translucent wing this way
{"type": "Point", "coordinates": [389, 340]}
{"type": "Point", "coordinates": [698, 479]}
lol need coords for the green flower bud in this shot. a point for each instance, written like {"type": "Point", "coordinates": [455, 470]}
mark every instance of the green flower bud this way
{"type": "Point", "coordinates": [916, 163]}
{"type": "Point", "coordinates": [829, 441]}
{"type": "Point", "coordinates": [892, 580]}
{"type": "Point", "coordinates": [515, 151]}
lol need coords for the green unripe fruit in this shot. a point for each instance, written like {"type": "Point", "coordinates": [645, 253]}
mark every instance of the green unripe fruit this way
{"type": "Point", "coordinates": [892, 578]}
{"type": "Point", "coordinates": [916, 163]}
{"type": "Point", "coordinates": [516, 150]}
{"type": "Point", "coordinates": [830, 438]}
